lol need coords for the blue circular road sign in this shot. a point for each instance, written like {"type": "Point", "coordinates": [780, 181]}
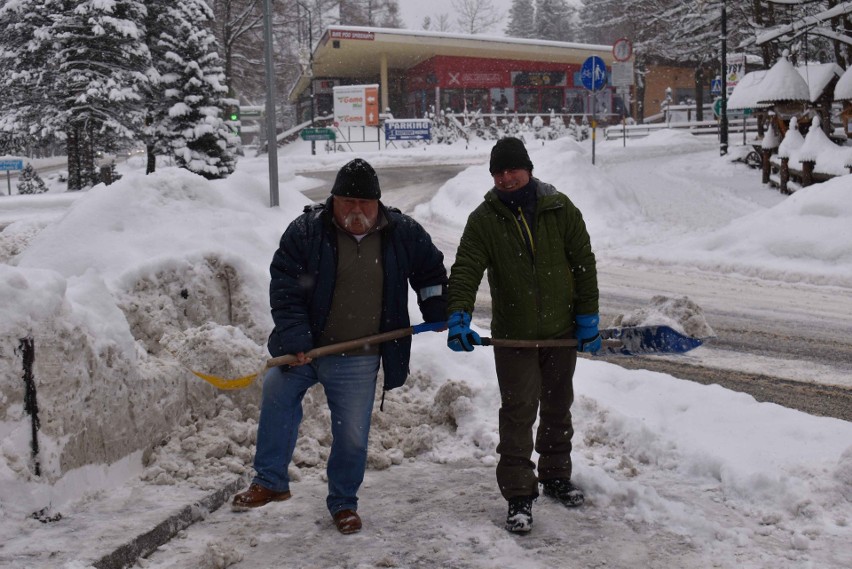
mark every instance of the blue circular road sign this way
{"type": "Point", "coordinates": [593, 73]}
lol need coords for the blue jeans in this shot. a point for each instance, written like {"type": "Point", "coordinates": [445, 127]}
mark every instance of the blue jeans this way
{"type": "Point", "coordinates": [350, 387]}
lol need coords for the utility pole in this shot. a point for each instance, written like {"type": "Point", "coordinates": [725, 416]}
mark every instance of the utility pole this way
{"type": "Point", "coordinates": [271, 126]}
{"type": "Point", "coordinates": [309, 71]}
{"type": "Point", "coordinates": [723, 117]}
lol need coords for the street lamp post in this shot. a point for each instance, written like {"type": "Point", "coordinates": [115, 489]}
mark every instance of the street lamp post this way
{"type": "Point", "coordinates": [271, 129]}
{"type": "Point", "coordinates": [723, 116]}
{"type": "Point", "coordinates": [309, 71]}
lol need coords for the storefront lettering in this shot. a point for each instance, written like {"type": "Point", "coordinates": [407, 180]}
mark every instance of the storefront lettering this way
{"type": "Point", "coordinates": [352, 35]}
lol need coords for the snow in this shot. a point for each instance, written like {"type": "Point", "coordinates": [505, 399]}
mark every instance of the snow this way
{"type": "Point", "coordinates": [783, 82]}
{"type": "Point", "coordinates": [127, 287]}
{"type": "Point", "coordinates": [843, 89]}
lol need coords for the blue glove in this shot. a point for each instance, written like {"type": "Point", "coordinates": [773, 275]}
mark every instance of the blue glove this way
{"type": "Point", "coordinates": [588, 337]}
{"type": "Point", "coordinates": [460, 337]}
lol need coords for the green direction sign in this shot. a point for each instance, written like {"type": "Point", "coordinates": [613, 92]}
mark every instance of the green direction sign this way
{"type": "Point", "coordinates": [317, 134]}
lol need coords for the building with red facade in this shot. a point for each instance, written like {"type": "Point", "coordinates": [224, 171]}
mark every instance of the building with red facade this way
{"type": "Point", "coordinates": [421, 71]}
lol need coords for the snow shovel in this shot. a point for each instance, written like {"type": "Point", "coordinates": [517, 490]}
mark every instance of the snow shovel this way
{"type": "Point", "coordinates": [339, 348]}
{"type": "Point", "coordinates": [631, 341]}
{"type": "Point", "coordinates": [639, 340]}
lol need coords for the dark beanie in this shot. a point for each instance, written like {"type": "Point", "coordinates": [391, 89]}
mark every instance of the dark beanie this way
{"type": "Point", "coordinates": [357, 179]}
{"type": "Point", "coordinates": [508, 154]}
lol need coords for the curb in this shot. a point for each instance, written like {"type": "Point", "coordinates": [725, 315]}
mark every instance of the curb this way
{"type": "Point", "coordinates": [143, 545]}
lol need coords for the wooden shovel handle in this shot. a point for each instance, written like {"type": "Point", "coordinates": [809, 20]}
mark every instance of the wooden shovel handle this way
{"type": "Point", "coordinates": [560, 343]}
{"type": "Point", "coordinates": [341, 347]}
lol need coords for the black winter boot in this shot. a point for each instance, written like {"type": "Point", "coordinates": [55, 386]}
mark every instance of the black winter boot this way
{"type": "Point", "coordinates": [520, 518]}
{"type": "Point", "coordinates": [564, 491]}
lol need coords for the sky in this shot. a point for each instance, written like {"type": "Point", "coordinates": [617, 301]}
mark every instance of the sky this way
{"type": "Point", "coordinates": [127, 287]}
{"type": "Point", "coordinates": [413, 12]}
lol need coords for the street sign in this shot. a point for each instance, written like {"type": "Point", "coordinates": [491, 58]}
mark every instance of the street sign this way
{"type": "Point", "coordinates": [317, 134]}
{"type": "Point", "coordinates": [7, 165]}
{"type": "Point", "coordinates": [716, 87]}
{"type": "Point", "coordinates": [622, 49]}
{"type": "Point", "coordinates": [622, 74]}
{"type": "Point", "coordinates": [593, 73]}
{"type": "Point", "coordinates": [418, 129]}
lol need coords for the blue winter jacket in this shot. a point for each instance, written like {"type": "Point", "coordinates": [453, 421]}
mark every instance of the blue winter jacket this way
{"type": "Point", "coordinates": [304, 270]}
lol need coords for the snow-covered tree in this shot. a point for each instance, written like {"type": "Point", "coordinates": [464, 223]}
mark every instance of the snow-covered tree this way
{"type": "Point", "coordinates": [100, 79]}
{"type": "Point", "coordinates": [31, 115]}
{"type": "Point", "coordinates": [193, 87]}
{"type": "Point", "coordinates": [554, 20]}
{"type": "Point", "coordinates": [29, 182]}
{"type": "Point", "coordinates": [521, 19]}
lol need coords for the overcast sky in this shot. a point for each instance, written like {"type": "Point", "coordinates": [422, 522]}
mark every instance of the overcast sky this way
{"type": "Point", "coordinates": [413, 12]}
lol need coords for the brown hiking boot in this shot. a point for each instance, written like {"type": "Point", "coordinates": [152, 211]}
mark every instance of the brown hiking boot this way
{"type": "Point", "coordinates": [347, 521]}
{"type": "Point", "coordinates": [257, 496]}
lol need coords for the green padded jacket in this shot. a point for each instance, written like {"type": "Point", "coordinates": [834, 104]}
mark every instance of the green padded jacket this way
{"type": "Point", "coordinates": [533, 295]}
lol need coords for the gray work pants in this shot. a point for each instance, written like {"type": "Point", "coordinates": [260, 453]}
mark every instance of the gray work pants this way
{"type": "Point", "coordinates": [530, 378]}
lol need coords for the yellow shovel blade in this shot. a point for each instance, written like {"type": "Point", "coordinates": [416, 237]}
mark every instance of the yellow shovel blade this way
{"type": "Point", "coordinates": [223, 383]}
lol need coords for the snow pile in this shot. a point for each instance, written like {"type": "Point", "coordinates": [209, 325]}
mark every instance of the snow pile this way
{"type": "Point", "coordinates": [681, 314]}
{"type": "Point", "coordinates": [101, 308]}
{"type": "Point", "coordinates": [417, 418]}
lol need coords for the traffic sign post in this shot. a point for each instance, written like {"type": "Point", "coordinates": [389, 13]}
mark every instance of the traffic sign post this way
{"type": "Point", "coordinates": [716, 87]}
{"type": "Point", "coordinates": [622, 49]}
{"type": "Point", "coordinates": [593, 77]}
{"type": "Point", "coordinates": [314, 134]}
{"type": "Point", "coordinates": [8, 166]}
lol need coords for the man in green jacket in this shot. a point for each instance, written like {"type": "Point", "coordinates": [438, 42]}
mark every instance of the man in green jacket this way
{"type": "Point", "coordinates": [533, 243]}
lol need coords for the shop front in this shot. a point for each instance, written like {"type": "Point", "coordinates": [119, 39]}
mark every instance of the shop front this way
{"type": "Point", "coordinates": [495, 86]}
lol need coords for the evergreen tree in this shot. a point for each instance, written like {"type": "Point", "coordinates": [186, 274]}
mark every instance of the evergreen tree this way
{"type": "Point", "coordinates": [554, 20]}
{"type": "Point", "coordinates": [521, 19]}
{"type": "Point", "coordinates": [192, 80]}
{"type": "Point", "coordinates": [100, 79]}
{"type": "Point", "coordinates": [373, 13]}
{"type": "Point", "coordinates": [30, 114]}
{"type": "Point", "coordinates": [29, 182]}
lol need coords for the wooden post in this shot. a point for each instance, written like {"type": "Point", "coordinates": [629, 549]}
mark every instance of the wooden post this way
{"type": "Point", "coordinates": [785, 175]}
{"type": "Point", "coordinates": [807, 172]}
{"type": "Point", "coordinates": [765, 165]}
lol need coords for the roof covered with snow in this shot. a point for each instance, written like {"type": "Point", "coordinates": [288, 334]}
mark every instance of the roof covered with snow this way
{"type": "Point", "coordinates": [783, 82]}
{"type": "Point", "coordinates": [843, 89]}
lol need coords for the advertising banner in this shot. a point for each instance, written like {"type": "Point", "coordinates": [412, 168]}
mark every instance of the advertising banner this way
{"type": "Point", "coordinates": [412, 129]}
{"type": "Point", "coordinates": [356, 105]}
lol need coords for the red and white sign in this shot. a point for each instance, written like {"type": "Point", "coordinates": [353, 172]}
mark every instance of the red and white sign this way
{"type": "Point", "coordinates": [352, 35]}
{"type": "Point", "coordinates": [622, 49]}
{"type": "Point", "coordinates": [356, 105]}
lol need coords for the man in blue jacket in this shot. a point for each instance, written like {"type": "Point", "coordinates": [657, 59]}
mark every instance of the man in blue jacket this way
{"type": "Point", "coordinates": [341, 272]}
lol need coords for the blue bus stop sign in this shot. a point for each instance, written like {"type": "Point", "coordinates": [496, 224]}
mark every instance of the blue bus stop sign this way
{"type": "Point", "coordinates": [593, 73]}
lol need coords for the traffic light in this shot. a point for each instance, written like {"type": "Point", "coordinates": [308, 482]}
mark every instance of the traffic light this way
{"type": "Point", "coordinates": [233, 113]}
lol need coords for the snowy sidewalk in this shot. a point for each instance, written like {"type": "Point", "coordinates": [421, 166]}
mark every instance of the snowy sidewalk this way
{"type": "Point", "coordinates": [109, 530]}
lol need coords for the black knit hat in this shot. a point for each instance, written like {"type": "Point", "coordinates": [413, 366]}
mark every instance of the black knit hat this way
{"type": "Point", "coordinates": [357, 179]}
{"type": "Point", "coordinates": [508, 154]}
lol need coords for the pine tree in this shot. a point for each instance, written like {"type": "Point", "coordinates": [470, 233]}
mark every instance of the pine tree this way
{"type": "Point", "coordinates": [192, 80]}
{"type": "Point", "coordinates": [554, 20]}
{"type": "Point", "coordinates": [521, 19]}
{"type": "Point", "coordinates": [29, 182]}
{"type": "Point", "coordinates": [30, 114]}
{"type": "Point", "coordinates": [100, 79]}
